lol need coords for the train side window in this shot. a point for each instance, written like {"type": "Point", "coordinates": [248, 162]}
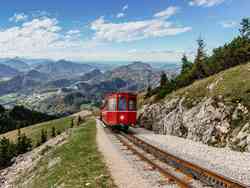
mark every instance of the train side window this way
{"type": "Point", "coordinates": [104, 104]}
{"type": "Point", "coordinates": [122, 104]}
{"type": "Point", "coordinates": [132, 105]}
{"type": "Point", "coordinates": [112, 104]}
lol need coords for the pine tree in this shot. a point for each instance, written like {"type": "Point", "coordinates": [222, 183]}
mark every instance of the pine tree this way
{"type": "Point", "coordinates": [164, 80]}
{"type": "Point", "coordinates": [2, 109]}
{"type": "Point", "coordinates": [43, 136]}
{"type": "Point", "coordinates": [53, 132]}
{"type": "Point", "coordinates": [149, 90]}
{"type": "Point", "coordinates": [72, 123]}
{"type": "Point", "coordinates": [199, 67]}
{"type": "Point", "coordinates": [7, 151]}
{"type": "Point", "coordinates": [245, 28]}
{"type": "Point", "coordinates": [24, 144]}
{"type": "Point", "coordinates": [186, 65]}
{"type": "Point", "coordinates": [79, 120]}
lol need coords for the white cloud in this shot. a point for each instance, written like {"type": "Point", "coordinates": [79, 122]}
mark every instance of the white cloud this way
{"type": "Point", "coordinates": [74, 32]}
{"type": "Point", "coordinates": [120, 15]}
{"type": "Point", "coordinates": [205, 3]}
{"type": "Point", "coordinates": [40, 13]}
{"type": "Point", "coordinates": [42, 37]}
{"type": "Point", "coordinates": [157, 55]}
{"type": "Point", "coordinates": [157, 26]}
{"type": "Point", "coordinates": [132, 51]}
{"type": "Point", "coordinates": [125, 7]}
{"type": "Point", "coordinates": [18, 17]}
{"type": "Point", "coordinates": [170, 11]}
{"type": "Point", "coordinates": [229, 24]}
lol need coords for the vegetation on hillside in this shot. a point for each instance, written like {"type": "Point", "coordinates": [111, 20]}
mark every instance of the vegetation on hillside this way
{"type": "Point", "coordinates": [231, 54]}
{"type": "Point", "coordinates": [77, 163]}
{"type": "Point", "coordinates": [20, 117]}
{"type": "Point", "coordinates": [232, 85]}
{"type": "Point", "coordinates": [9, 149]}
{"type": "Point", "coordinates": [23, 140]}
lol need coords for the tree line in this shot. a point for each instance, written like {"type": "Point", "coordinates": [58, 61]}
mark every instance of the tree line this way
{"type": "Point", "coordinates": [23, 144]}
{"type": "Point", "coordinates": [11, 149]}
{"type": "Point", "coordinates": [20, 117]}
{"type": "Point", "coordinates": [231, 54]}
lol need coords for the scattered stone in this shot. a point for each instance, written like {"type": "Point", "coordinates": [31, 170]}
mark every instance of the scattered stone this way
{"type": "Point", "coordinates": [24, 164]}
{"type": "Point", "coordinates": [53, 162]}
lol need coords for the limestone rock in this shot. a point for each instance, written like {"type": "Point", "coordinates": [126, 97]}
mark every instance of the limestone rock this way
{"type": "Point", "coordinates": [208, 121]}
{"type": "Point", "coordinates": [248, 143]}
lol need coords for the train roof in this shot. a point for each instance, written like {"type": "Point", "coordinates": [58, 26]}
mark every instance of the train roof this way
{"type": "Point", "coordinates": [121, 93]}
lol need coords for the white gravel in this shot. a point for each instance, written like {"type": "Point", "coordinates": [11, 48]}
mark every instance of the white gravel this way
{"type": "Point", "coordinates": [221, 160]}
{"type": "Point", "coordinates": [126, 169]}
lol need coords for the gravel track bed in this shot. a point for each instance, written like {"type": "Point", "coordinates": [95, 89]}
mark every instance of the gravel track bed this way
{"type": "Point", "coordinates": [127, 170]}
{"type": "Point", "coordinates": [221, 160]}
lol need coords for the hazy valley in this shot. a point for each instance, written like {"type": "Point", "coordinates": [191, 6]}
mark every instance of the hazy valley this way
{"type": "Point", "coordinates": [64, 87]}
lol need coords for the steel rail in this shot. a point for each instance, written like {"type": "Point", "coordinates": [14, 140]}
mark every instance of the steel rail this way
{"type": "Point", "coordinates": [181, 183]}
{"type": "Point", "coordinates": [194, 170]}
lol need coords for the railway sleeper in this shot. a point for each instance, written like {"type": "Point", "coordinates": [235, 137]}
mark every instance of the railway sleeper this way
{"type": "Point", "coordinates": [195, 173]}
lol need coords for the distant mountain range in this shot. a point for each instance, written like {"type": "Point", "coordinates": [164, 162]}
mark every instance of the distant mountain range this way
{"type": "Point", "coordinates": [63, 68]}
{"type": "Point", "coordinates": [66, 78]}
{"type": "Point", "coordinates": [7, 71]}
{"type": "Point", "coordinates": [62, 73]}
{"type": "Point", "coordinates": [16, 64]}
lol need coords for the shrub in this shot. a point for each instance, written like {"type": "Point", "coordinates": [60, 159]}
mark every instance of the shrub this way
{"type": "Point", "coordinates": [43, 136]}
{"type": "Point", "coordinates": [72, 123]}
{"type": "Point", "coordinates": [24, 144]}
{"type": "Point", "coordinates": [58, 132]}
{"type": "Point", "coordinates": [7, 152]}
{"type": "Point", "coordinates": [53, 132]}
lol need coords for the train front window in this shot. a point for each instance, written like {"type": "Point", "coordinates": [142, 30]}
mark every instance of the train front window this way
{"type": "Point", "coordinates": [112, 104]}
{"type": "Point", "coordinates": [132, 105]}
{"type": "Point", "coordinates": [122, 104]}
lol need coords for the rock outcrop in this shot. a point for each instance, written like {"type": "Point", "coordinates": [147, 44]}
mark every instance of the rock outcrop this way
{"type": "Point", "coordinates": [209, 121]}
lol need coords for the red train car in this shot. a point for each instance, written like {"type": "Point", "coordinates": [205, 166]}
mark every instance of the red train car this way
{"type": "Point", "coordinates": [119, 110]}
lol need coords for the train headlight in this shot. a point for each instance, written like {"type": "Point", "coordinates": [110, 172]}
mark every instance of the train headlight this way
{"type": "Point", "coordinates": [122, 117]}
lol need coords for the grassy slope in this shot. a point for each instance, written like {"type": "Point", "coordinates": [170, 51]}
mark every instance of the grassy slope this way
{"type": "Point", "coordinates": [80, 165]}
{"type": "Point", "coordinates": [233, 85]}
{"type": "Point", "coordinates": [234, 82]}
{"type": "Point", "coordinates": [34, 131]}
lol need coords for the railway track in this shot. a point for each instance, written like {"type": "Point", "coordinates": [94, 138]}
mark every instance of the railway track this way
{"type": "Point", "coordinates": [179, 171]}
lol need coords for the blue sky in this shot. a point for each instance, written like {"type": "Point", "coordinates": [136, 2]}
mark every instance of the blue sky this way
{"type": "Point", "coordinates": [116, 30]}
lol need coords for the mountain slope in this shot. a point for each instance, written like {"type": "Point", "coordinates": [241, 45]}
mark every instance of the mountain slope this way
{"type": "Point", "coordinates": [91, 75]}
{"type": "Point", "coordinates": [63, 68]}
{"type": "Point", "coordinates": [24, 82]}
{"type": "Point", "coordinates": [16, 64]}
{"type": "Point", "coordinates": [7, 71]}
{"type": "Point", "coordinates": [139, 73]}
{"type": "Point", "coordinates": [215, 111]}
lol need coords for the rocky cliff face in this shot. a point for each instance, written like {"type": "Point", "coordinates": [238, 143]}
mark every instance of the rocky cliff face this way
{"type": "Point", "coordinates": [210, 122]}
{"type": "Point", "coordinates": [214, 111]}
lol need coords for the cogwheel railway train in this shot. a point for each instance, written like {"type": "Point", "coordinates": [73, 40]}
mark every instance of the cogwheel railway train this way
{"type": "Point", "coordinates": [119, 110]}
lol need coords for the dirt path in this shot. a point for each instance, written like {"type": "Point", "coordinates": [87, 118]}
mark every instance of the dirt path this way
{"type": "Point", "coordinates": [124, 175]}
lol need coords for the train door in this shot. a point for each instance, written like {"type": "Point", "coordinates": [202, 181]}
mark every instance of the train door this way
{"type": "Point", "coordinates": [111, 116]}
{"type": "Point", "coordinates": [122, 109]}
{"type": "Point", "coordinates": [132, 110]}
